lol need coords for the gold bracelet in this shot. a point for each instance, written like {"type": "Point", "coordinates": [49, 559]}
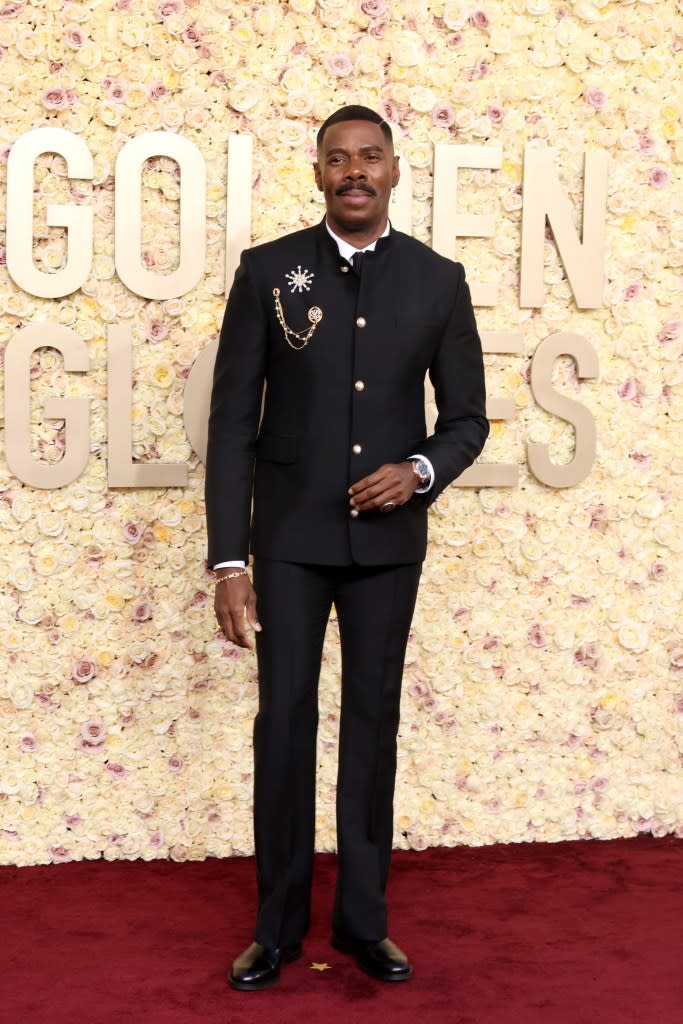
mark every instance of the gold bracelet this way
{"type": "Point", "coordinates": [232, 576]}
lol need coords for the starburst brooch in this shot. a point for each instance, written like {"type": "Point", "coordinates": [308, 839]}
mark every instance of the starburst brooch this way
{"type": "Point", "coordinates": [299, 280]}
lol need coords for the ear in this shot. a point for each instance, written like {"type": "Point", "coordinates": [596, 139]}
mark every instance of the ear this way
{"type": "Point", "coordinates": [317, 174]}
{"type": "Point", "coordinates": [395, 173]}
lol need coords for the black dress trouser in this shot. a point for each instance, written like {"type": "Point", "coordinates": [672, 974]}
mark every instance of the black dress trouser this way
{"type": "Point", "coordinates": [374, 607]}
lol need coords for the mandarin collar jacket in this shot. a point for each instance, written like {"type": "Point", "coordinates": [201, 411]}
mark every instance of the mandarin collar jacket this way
{"type": "Point", "coordinates": [340, 400]}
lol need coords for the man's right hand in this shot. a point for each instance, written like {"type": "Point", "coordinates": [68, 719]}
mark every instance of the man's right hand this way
{"type": "Point", "coordinates": [231, 600]}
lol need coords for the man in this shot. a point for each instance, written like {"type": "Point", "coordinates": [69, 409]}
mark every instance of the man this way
{"type": "Point", "coordinates": [341, 472]}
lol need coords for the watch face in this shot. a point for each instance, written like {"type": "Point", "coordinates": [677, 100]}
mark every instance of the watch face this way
{"type": "Point", "coordinates": [422, 470]}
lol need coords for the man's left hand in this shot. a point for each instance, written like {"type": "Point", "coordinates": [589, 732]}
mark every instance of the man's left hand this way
{"type": "Point", "coordinates": [384, 490]}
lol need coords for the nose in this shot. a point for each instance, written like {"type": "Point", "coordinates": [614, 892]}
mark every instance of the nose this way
{"type": "Point", "coordinates": [355, 169]}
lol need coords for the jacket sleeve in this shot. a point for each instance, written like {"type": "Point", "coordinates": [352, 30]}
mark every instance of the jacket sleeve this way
{"type": "Point", "coordinates": [236, 396]}
{"type": "Point", "coordinates": [457, 373]}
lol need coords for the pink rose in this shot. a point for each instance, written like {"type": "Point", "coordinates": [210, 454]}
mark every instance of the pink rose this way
{"type": "Point", "coordinates": [10, 11]}
{"type": "Point", "coordinates": [454, 40]}
{"type": "Point", "coordinates": [55, 98]}
{"type": "Point", "coordinates": [45, 700]}
{"type": "Point", "coordinates": [192, 36]}
{"type": "Point", "coordinates": [167, 8]}
{"type": "Point", "coordinates": [595, 98]}
{"type": "Point", "coordinates": [633, 291]}
{"type": "Point", "coordinates": [536, 635]}
{"type": "Point", "coordinates": [418, 689]}
{"type": "Point", "coordinates": [670, 331]}
{"type": "Point", "coordinates": [658, 571]}
{"type": "Point", "coordinates": [374, 8]}
{"type": "Point", "coordinates": [116, 769]}
{"type": "Point", "coordinates": [132, 532]}
{"type": "Point", "coordinates": [443, 115]}
{"type": "Point", "coordinates": [156, 331]}
{"type": "Point", "coordinates": [29, 744]}
{"type": "Point", "coordinates": [480, 70]}
{"type": "Point", "coordinates": [659, 177]}
{"type": "Point", "coordinates": [480, 19]}
{"type": "Point", "coordinates": [646, 143]}
{"type": "Point", "coordinates": [83, 670]}
{"type": "Point", "coordinates": [72, 820]}
{"type": "Point", "coordinates": [156, 90]}
{"type": "Point", "coordinates": [142, 612]}
{"type": "Point", "coordinates": [122, 5]}
{"type": "Point", "coordinates": [60, 855]}
{"type": "Point", "coordinates": [116, 91]}
{"type": "Point", "coordinates": [94, 732]}
{"type": "Point", "coordinates": [378, 27]}
{"type": "Point", "coordinates": [339, 65]}
{"type": "Point", "coordinates": [75, 37]}
{"type": "Point", "coordinates": [175, 763]}
{"type": "Point", "coordinates": [631, 391]}
{"type": "Point", "coordinates": [495, 113]}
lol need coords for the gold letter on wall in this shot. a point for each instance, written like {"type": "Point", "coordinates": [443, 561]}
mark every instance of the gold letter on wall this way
{"type": "Point", "coordinates": [121, 470]}
{"type": "Point", "coordinates": [563, 343]}
{"type": "Point", "coordinates": [447, 223]}
{"type": "Point", "coordinates": [74, 411]}
{"type": "Point", "coordinates": [128, 226]}
{"type": "Point", "coordinates": [543, 196]}
{"type": "Point", "coordinates": [76, 219]}
{"type": "Point", "coordinates": [496, 474]}
{"type": "Point", "coordinates": [237, 203]}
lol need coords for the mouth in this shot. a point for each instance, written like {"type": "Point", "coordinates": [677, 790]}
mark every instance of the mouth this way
{"type": "Point", "coordinates": [356, 192]}
{"type": "Point", "coordinates": [355, 197]}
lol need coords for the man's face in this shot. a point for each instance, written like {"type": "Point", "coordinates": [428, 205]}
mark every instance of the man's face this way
{"type": "Point", "coordinates": [356, 171]}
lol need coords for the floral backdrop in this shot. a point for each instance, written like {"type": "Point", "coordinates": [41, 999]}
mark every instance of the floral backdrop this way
{"type": "Point", "coordinates": [544, 679]}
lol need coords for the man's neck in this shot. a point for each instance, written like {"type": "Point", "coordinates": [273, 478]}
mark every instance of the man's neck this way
{"type": "Point", "coordinates": [360, 238]}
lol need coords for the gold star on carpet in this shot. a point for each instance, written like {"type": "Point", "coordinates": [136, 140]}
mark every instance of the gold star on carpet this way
{"type": "Point", "coordinates": [320, 967]}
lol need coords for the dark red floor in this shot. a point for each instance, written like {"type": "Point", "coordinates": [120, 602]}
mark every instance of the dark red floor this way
{"type": "Point", "coordinates": [561, 933]}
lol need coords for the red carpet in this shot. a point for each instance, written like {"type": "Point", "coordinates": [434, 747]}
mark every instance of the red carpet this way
{"type": "Point", "coordinates": [555, 933]}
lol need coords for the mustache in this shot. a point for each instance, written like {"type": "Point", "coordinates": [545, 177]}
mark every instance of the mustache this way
{"type": "Point", "coordinates": [356, 186]}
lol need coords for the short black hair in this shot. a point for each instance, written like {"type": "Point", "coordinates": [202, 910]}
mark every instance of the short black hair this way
{"type": "Point", "coordinates": [355, 112]}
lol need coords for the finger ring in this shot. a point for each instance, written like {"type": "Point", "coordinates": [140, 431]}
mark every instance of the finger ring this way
{"type": "Point", "coordinates": [387, 506]}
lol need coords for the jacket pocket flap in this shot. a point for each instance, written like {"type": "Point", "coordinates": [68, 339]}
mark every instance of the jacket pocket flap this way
{"type": "Point", "coordinates": [276, 447]}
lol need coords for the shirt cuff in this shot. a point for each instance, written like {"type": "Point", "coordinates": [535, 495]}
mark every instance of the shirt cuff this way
{"type": "Point", "coordinates": [238, 564]}
{"type": "Point", "coordinates": [430, 483]}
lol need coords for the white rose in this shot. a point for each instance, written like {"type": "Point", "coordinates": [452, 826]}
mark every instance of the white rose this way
{"type": "Point", "coordinates": [407, 49]}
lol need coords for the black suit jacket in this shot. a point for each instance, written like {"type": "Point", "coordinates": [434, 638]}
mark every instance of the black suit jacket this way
{"type": "Point", "coordinates": [409, 313]}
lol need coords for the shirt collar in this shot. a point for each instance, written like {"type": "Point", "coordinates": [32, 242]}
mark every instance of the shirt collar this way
{"type": "Point", "coordinates": [346, 251]}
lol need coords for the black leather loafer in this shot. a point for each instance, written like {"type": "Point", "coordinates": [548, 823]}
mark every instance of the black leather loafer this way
{"type": "Point", "coordinates": [382, 960]}
{"type": "Point", "coordinates": [259, 966]}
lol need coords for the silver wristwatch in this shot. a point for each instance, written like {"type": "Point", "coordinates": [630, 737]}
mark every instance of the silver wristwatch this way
{"type": "Point", "coordinates": [421, 471]}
